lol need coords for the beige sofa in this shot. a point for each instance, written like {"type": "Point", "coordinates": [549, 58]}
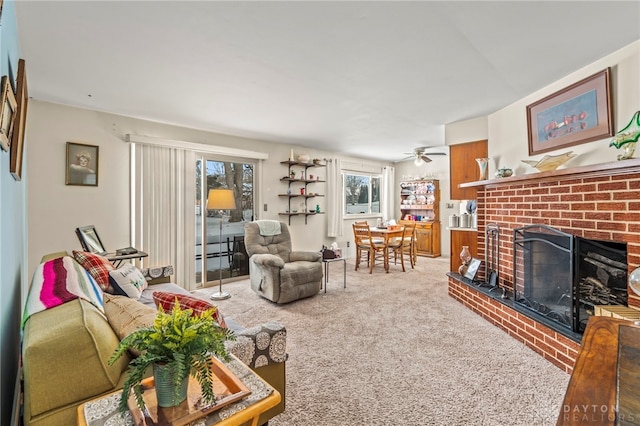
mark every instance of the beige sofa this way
{"type": "Point", "coordinates": [65, 351]}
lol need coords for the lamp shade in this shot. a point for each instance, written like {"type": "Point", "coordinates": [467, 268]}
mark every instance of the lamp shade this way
{"type": "Point", "coordinates": [221, 199]}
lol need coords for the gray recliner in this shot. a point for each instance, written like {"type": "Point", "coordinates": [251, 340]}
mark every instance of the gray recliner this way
{"type": "Point", "coordinates": [277, 273]}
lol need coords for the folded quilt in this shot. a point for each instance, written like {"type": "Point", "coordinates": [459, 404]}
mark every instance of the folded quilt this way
{"type": "Point", "coordinates": [58, 281]}
{"type": "Point", "coordinates": [269, 227]}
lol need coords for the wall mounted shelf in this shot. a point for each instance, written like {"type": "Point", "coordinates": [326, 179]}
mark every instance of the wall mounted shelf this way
{"type": "Point", "coordinates": [301, 169]}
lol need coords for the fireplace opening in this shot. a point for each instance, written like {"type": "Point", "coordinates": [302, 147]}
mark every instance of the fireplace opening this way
{"type": "Point", "coordinates": [601, 275]}
{"type": "Point", "coordinates": [560, 278]}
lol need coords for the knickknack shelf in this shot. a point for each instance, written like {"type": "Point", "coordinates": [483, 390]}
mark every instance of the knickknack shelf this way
{"type": "Point", "coordinates": [298, 173]}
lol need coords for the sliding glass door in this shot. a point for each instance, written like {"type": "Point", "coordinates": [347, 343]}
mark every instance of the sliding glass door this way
{"type": "Point", "coordinates": [220, 250]}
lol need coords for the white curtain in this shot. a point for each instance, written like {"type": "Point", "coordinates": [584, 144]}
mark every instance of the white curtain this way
{"type": "Point", "coordinates": [334, 198]}
{"type": "Point", "coordinates": [163, 201]}
{"type": "Point", "coordinates": [388, 193]}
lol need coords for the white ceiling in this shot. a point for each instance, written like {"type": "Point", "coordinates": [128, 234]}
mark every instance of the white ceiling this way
{"type": "Point", "coordinates": [374, 79]}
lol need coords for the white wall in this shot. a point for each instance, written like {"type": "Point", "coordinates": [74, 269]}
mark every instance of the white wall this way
{"type": "Point", "coordinates": [471, 130]}
{"type": "Point", "coordinates": [508, 142]}
{"type": "Point", "coordinates": [55, 209]}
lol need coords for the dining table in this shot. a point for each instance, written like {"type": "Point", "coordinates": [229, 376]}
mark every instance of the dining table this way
{"type": "Point", "coordinates": [387, 233]}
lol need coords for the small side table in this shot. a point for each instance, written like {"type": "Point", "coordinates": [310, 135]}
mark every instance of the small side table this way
{"type": "Point", "coordinates": [326, 271]}
{"type": "Point", "coordinates": [117, 259]}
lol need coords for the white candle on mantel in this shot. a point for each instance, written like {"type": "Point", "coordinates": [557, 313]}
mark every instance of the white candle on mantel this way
{"type": "Point", "coordinates": [291, 155]}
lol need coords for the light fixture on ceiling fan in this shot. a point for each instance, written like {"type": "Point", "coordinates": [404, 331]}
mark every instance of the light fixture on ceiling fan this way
{"type": "Point", "coordinates": [420, 156]}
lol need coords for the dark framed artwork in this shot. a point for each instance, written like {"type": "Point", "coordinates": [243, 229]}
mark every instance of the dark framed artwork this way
{"type": "Point", "coordinates": [89, 240]}
{"type": "Point", "coordinates": [7, 113]}
{"type": "Point", "coordinates": [17, 137]}
{"type": "Point", "coordinates": [82, 164]}
{"type": "Point", "coordinates": [576, 114]}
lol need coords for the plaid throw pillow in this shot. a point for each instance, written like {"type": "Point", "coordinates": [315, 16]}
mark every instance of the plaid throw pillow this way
{"type": "Point", "coordinates": [97, 266]}
{"type": "Point", "coordinates": [167, 301]}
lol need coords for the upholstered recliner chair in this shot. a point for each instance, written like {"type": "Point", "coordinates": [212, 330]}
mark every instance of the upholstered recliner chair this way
{"type": "Point", "coordinates": [278, 273]}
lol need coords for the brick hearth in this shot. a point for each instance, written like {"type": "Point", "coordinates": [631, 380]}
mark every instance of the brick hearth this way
{"type": "Point", "coordinates": [600, 202]}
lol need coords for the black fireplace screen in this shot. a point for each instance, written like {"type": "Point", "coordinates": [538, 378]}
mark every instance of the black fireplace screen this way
{"type": "Point", "coordinates": [561, 278]}
{"type": "Point", "coordinates": [543, 273]}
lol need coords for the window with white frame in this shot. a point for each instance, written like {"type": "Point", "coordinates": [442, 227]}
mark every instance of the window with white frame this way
{"type": "Point", "coordinates": [361, 193]}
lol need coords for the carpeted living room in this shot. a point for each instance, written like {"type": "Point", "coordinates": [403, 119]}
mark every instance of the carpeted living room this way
{"type": "Point", "coordinates": [482, 154]}
{"type": "Point", "coordinates": [396, 349]}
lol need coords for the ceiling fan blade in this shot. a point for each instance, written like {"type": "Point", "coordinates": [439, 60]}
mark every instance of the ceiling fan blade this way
{"type": "Point", "coordinates": [425, 158]}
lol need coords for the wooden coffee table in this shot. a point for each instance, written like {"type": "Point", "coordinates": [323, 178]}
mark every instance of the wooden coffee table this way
{"type": "Point", "coordinates": [262, 398]}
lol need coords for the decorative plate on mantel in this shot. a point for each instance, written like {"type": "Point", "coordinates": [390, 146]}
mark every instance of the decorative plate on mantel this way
{"type": "Point", "coordinates": [550, 162]}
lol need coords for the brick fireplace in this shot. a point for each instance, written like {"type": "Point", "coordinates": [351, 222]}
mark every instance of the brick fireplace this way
{"type": "Point", "coordinates": [599, 202]}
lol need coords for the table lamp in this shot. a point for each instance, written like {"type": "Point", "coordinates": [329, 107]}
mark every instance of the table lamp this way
{"type": "Point", "coordinates": [221, 199]}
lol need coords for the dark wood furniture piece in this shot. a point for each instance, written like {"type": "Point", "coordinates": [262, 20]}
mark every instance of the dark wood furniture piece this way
{"type": "Point", "coordinates": [604, 388]}
{"type": "Point", "coordinates": [463, 167]}
{"type": "Point", "coordinates": [459, 238]}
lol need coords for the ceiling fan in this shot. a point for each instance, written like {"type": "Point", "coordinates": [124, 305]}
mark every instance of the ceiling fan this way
{"type": "Point", "coordinates": [420, 156]}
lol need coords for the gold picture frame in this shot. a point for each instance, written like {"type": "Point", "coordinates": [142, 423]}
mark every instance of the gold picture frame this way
{"type": "Point", "coordinates": [7, 113]}
{"type": "Point", "coordinates": [17, 137]}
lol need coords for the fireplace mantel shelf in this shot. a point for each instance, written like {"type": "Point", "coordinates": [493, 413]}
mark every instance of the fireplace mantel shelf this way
{"type": "Point", "coordinates": [613, 168]}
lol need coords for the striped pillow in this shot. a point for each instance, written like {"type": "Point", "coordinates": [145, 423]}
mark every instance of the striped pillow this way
{"type": "Point", "coordinates": [98, 266]}
{"type": "Point", "coordinates": [167, 301]}
{"type": "Point", "coordinates": [58, 281]}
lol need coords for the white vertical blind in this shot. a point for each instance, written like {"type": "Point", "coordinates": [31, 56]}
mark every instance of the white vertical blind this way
{"type": "Point", "coordinates": [164, 200]}
{"type": "Point", "coordinates": [334, 199]}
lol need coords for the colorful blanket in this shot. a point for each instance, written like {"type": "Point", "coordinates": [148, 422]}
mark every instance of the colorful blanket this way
{"type": "Point", "coordinates": [58, 281]}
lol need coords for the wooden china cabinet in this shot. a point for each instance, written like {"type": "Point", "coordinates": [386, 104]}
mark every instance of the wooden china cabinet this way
{"type": "Point", "coordinates": [420, 202]}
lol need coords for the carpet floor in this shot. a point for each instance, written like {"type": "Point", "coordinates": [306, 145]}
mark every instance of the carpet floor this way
{"type": "Point", "coordinates": [395, 349]}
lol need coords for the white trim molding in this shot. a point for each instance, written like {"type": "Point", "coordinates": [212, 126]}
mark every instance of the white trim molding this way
{"type": "Point", "coordinates": [194, 146]}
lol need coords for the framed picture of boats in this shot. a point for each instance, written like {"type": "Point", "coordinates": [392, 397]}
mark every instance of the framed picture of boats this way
{"type": "Point", "coordinates": [574, 115]}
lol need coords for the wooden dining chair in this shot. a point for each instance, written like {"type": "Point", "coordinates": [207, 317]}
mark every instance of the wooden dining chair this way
{"type": "Point", "coordinates": [366, 245]}
{"type": "Point", "coordinates": [404, 246]}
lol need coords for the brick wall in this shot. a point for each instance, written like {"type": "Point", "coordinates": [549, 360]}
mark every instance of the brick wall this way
{"type": "Point", "coordinates": [595, 202]}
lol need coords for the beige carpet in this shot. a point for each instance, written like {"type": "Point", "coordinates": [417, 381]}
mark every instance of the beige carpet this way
{"type": "Point", "coordinates": [394, 349]}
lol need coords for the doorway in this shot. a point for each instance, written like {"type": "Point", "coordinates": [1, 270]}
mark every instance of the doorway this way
{"type": "Point", "coordinates": [220, 250]}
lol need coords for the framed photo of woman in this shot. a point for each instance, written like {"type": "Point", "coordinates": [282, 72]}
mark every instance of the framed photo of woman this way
{"type": "Point", "coordinates": [82, 164]}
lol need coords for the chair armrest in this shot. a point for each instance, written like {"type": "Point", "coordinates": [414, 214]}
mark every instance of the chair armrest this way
{"type": "Point", "coordinates": [266, 259]}
{"type": "Point", "coordinates": [309, 256]}
{"type": "Point", "coordinates": [261, 345]}
{"type": "Point", "coordinates": [158, 274]}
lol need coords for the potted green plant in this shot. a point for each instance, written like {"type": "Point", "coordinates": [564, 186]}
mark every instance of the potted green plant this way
{"type": "Point", "coordinates": [177, 345]}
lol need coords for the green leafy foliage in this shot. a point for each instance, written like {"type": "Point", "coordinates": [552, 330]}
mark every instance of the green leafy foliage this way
{"type": "Point", "coordinates": [182, 340]}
